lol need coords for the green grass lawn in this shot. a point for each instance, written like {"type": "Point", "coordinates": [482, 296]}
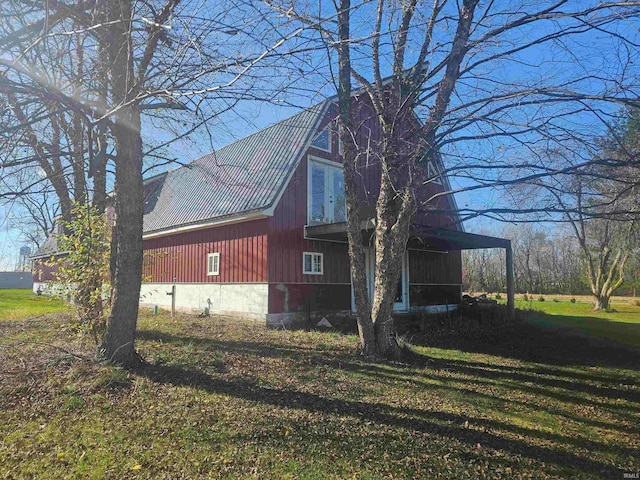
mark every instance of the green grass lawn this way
{"type": "Point", "coordinates": [220, 398]}
{"type": "Point", "coordinates": [17, 304]}
{"type": "Point", "coordinates": [621, 325]}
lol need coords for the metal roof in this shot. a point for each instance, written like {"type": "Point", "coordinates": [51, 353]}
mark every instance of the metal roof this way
{"type": "Point", "coordinates": [49, 247]}
{"type": "Point", "coordinates": [421, 236]}
{"type": "Point", "coordinates": [244, 176]}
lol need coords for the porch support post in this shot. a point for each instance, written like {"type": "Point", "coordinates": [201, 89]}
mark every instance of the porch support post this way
{"type": "Point", "coordinates": [511, 291]}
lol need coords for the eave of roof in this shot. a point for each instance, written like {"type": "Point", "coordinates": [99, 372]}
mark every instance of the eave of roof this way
{"type": "Point", "coordinates": [425, 236]}
{"type": "Point", "coordinates": [201, 225]}
{"type": "Point", "coordinates": [49, 255]}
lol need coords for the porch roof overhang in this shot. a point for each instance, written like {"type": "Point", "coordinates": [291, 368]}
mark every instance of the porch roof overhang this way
{"type": "Point", "coordinates": [420, 236]}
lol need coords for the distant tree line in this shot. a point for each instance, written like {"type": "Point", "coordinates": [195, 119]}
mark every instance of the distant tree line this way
{"type": "Point", "coordinates": [545, 262]}
{"type": "Point", "coordinates": [594, 247]}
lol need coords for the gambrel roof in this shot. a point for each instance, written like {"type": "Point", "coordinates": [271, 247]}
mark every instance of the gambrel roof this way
{"type": "Point", "coordinates": [245, 176]}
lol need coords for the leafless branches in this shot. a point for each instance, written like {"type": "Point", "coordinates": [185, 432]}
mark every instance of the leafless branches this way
{"type": "Point", "coordinates": [496, 86]}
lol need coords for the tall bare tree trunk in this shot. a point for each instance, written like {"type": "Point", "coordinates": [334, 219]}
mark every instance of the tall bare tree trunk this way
{"type": "Point", "coordinates": [603, 294]}
{"type": "Point", "coordinates": [118, 345]}
{"type": "Point", "coordinates": [392, 104]}
{"type": "Point", "coordinates": [354, 233]}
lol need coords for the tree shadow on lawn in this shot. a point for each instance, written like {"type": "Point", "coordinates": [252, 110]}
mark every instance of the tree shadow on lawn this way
{"type": "Point", "coordinates": [258, 349]}
{"type": "Point", "coordinates": [561, 346]}
{"type": "Point", "coordinates": [448, 425]}
{"type": "Point", "coordinates": [521, 341]}
{"type": "Point", "coordinates": [539, 381]}
{"type": "Point", "coordinates": [535, 380]}
{"type": "Point", "coordinates": [624, 332]}
{"type": "Point", "coordinates": [555, 354]}
{"type": "Point", "coordinates": [602, 398]}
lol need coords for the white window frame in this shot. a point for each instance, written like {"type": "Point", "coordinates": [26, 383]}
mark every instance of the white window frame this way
{"type": "Point", "coordinates": [329, 139]}
{"type": "Point", "coordinates": [328, 191]}
{"type": "Point", "coordinates": [336, 129]}
{"type": "Point", "coordinates": [215, 263]}
{"type": "Point", "coordinates": [318, 255]}
{"type": "Point", "coordinates": [433, 173]}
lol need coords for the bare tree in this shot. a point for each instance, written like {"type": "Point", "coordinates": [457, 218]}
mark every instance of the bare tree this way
{"type": "Point", "coordinates": [602, 205]}
{"type": "Point", "coordinates": [484, 270]}
{"type": "Point", "coordinates": [128, 64]}
{"type": "Point", "coordinates": [606, 244]}
{"type": "Point", "coordinates": [46, 144]}
{"type": "Point", "coordinates": [33, 214]}
{"type": "Point", "coordinates": [481, 78]}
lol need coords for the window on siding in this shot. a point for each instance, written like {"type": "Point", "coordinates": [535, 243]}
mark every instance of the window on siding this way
{"type": "Point", "coordinates": [312, 263]}
{"type": "Point", "coordinates": [434, 174]}
{"type": "Point", "coordinates": [326, 202]}
{"type": "Point", "coordinates": [213, 264]}
{"type": "Point", "coordinates": [323, 140]}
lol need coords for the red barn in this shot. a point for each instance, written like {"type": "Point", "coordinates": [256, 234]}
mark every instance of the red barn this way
{"type": "Point", "coordinates": [258, 228]}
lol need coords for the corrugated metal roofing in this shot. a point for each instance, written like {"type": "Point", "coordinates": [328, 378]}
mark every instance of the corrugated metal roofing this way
{"type": "Point", "coordinates": [244, 176]}
{"type": "Point", "coordinates": [49, 247]}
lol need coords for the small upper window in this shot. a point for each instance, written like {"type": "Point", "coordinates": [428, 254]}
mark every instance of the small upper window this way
{"type": "Point", "coordinates": [323, 140]}
{"type": "Point", "coordinates": [433, 173]}
{"type": "Point", "coordinates": [213, 264]}
{"type": "Point", "coordinates": [312, 263]}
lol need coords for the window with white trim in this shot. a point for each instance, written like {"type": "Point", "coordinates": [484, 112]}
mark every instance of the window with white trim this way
{"type": "Point", "coordinates": [213, 263]}
{"type": "Point", "coordinates": [326, 200]}
{"type": "Point", "coordinates": [334, 127]}
{"type": "Point", "coordinates": [433, 170]}
{"type": "Point", "coordinates": [433, 173]}
{"type": "Point", "coordinates": [323, 140]}
{"type": "Point", "coordinates": [312, 263]}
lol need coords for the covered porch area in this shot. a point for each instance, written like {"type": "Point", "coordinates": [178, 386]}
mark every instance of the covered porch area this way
{"type": "Point", "coordinates": [428, 238]}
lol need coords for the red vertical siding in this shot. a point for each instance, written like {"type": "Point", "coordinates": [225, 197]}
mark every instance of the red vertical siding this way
{"type": "Point", "coordinates": [287, 242]}
{"type": "Point", "coordinates": [286, 233]}
{"type": "Point", "coordinates": [46, 269]}
{"type": "Point", "coordinates": [242, 247]}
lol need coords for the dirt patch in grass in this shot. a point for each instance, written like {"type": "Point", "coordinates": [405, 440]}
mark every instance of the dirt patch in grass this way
{"type": "Point", "coordinates": [220, 398]}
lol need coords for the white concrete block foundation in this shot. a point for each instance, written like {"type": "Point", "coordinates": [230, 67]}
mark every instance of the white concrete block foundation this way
{"type": "Point", "coordinates": [50, 288]}
{"type": "Point", "coordinates": [246, 298]}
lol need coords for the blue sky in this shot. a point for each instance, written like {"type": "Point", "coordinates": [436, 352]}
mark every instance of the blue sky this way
{"type": "Point", "coordinates": [532, 65]}
{"type": "Point", "coordinates": [9, 245]}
